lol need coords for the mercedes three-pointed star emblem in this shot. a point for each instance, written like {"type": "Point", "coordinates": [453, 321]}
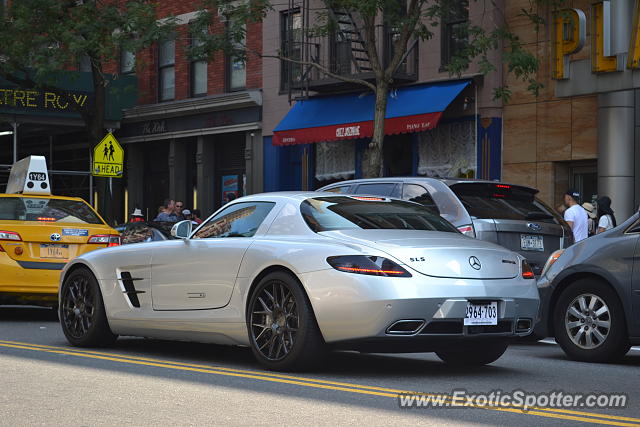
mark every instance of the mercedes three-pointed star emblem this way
{"type": "Point", "coordinates": [475, 263]}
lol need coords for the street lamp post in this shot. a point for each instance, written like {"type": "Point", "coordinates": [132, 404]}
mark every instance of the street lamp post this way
{"type": "Point", "coordinates": [15, 141]}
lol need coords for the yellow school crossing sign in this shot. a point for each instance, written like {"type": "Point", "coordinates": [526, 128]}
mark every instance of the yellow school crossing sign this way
{"type": "Point", "coordinates": [108, 158]}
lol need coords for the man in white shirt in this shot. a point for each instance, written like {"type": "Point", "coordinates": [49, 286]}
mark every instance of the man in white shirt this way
{"type": "Point", "coordinates": [576, 216]}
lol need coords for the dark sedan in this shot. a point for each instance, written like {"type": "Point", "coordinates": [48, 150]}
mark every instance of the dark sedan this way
{"type": "Point", "coordinates": [590, 295]}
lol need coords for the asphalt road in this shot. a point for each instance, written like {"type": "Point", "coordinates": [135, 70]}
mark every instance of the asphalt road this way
{"type": "Point", "coordinates": [138, 381]}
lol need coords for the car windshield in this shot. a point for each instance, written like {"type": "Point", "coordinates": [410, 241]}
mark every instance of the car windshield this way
{"type": "Point", "coordinates": [502, 201]}
{"type": "Point", "coordinates": [44, 209]}
{"type": "Point", "coordinates": [349, 212]}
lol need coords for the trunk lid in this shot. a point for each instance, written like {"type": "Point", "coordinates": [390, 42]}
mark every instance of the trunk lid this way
{"type": "Point", "coordinates": [50, 242]}
{"type": "Point", "coordinates": [438, 254]}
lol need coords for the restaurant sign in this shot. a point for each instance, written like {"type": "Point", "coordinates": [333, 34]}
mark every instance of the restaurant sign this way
{"type": "Point", "coordinates": [611, 37]}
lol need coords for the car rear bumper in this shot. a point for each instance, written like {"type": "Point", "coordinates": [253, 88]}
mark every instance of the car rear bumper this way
{"type": "Point", "coordinates": [364, 309]}
{"type": "Point", "coordinates": [29, 277]}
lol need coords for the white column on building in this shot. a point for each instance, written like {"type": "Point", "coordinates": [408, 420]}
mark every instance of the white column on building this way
{"type": "Point", "coordinates": [616, 145]}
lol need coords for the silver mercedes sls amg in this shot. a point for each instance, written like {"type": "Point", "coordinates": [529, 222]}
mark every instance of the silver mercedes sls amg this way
{"type": "Point", "coordinates": [293, 275]}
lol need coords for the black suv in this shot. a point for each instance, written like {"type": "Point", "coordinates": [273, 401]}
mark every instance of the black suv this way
{"type": "Point", "coordinates": [506, 214]}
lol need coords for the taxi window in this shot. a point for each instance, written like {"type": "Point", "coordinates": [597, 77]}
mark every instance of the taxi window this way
{"type": "Point", "coordinates": [43, 209]}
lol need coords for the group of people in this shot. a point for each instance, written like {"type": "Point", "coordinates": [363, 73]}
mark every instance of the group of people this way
{"type": "Point", "coordinates": [587, 220]}
{"type": "Point", "coordinates": [170, 211]}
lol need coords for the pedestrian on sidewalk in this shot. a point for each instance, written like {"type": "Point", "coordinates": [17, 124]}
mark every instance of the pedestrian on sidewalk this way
{"type": "Point", "coordinates": [606, 218]}
{"type": "Point", "coordinates": [593, 216]}
{"type": "Point", "coordinates": [168, 213]}
{"type": "Point", "coordinates": [178, 210]}
{"type": "Point", "coordinates": [195, 214]}
{"type": "Point", "coordinates": [136, 216]}
{"type": "Point", "coordinates": [575, 215]}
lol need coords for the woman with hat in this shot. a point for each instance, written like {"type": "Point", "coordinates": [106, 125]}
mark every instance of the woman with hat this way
{"type": "Point", "coordinates": [591, 213]}
{"type": "Point", "coordinates": [606, 218]}
{"type": "Point", "coordinates": [136, 216]}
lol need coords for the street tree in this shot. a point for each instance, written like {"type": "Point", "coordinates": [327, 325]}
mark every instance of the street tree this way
{"type": "Point", "coordinates": [410, 21]}
{"type": "Point", "coordinates": [41, 39]}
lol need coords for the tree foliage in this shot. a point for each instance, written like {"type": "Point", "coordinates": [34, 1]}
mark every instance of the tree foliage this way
{"type": "Point", "coordinates": [41, 38]}
{"type": "Point", "coordinates": [490, 42]}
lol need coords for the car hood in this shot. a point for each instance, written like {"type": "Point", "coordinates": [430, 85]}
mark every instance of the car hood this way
{"type": "Point", "coordinates": [438, 254]}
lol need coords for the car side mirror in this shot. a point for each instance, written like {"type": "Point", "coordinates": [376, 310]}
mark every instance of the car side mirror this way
{"type": "Point", "coordinates": [181, 230]}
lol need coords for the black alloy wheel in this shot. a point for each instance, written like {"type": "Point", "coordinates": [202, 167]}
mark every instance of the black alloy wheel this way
{"type": "Point", "coordinates": [82, 315]}
{"type": "Point", "coordinates": [282, 329]}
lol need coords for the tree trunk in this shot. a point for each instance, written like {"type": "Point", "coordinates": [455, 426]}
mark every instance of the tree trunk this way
{"type": "Point", "coordinates": [374, 153]}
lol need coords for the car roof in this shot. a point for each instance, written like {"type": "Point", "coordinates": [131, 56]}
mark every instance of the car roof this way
{"type": "Point", "coordinates": [447, 181]}
{"type": "Point", "coordinates": [41, 196]}
{"type": "Point", "coordinates": [291, 195]}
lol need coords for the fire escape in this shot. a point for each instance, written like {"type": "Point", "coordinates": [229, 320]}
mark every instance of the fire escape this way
{"type": "Point", "coordinates": [342, 51]}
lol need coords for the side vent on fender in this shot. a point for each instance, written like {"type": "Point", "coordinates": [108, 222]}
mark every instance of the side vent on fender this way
{"type": "Point", "coordinates": [130, 289]}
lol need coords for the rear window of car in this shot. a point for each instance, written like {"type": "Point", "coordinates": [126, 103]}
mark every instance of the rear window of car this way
{"type": "Point", "coordinates": [379, 189]}
{"type": "Point", "coordinates": [341, 189]}
{"type": "Point", "coordinates": [44, 209]}
{"type": "Point", "coordinates": [352, 212]}
{"type": "Point", "coordinates": [502, 201]}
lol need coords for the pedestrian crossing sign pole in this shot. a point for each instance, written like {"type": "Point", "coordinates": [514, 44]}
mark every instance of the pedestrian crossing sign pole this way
{"type": "Point", "coordinates": [108, 158]}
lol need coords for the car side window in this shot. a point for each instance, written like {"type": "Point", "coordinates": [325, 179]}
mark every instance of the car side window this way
{"type": "Point", "coordinates": [238, 220]}
{"type": "Point", "coordinates": [342, 189]}
{"type": "Point", "coordinates": [634, 229]}
{"type": "Point", "coordinates": [377, 189]}
{"type": "Point", "coordinates": [419, 194]}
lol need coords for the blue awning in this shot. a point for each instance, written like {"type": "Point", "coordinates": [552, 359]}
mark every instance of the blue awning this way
{"type": "Point", "coordinates": [330, 118]}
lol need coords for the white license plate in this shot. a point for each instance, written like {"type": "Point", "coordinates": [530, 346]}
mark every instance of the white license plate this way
{"type": "Point", "coordinates": [481, 314]}
{"type": "Point", "coordinates": [530, 242]}
{"type": "Point", "coordinates": [50, 250]}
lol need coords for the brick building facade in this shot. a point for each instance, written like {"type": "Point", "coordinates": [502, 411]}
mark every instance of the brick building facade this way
{"type": "Point", "coordinates": [195, 140]}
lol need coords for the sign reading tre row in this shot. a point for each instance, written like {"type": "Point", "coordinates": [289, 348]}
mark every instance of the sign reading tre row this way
{"type": "Point", "coordinates": [569, 34]}
{"type": "Point", "coordinates": [108, 158]}
{"type": "Point", "coordinates": [34, 99]}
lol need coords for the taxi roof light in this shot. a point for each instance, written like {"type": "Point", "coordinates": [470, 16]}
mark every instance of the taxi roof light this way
{"type": "Point", "coordinates": [29, 176]}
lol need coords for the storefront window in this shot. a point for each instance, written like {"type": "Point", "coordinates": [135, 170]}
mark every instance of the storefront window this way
{"type": "Point", "coordinates": [291, 47]}
{"type": "Point", "coordinates": [237, 67]}
{"type": "Point", "coordinates": [455, 22]}
{"type": "Point", "coordinates": [198, 72]}
{"type": "Point", "coordinates": [166, 62]}
{"type": "Point", "coordinates": [449, 150]}
{"type": "Point", "coordinates": [84, 64]}
{"type": "Point", "coordinates": [335, 160]}
{"type": "Point", "coordinates": [127, 62]}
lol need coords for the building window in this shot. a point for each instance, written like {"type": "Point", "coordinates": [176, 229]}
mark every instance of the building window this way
{"type": "Point", "coordinates": [167, 70]}
{"type": "Point", "coordinates": [237, 67]}
{"type": "Point", "coordinates": [84, 64]}
{"type": "Point", "coordinates": [127, 62]}
{"type": "Point", "coordinates": [290, 47]}
{"type": "Point", "coordinates": [198, 72]}
{"type": "Point", "coordinates": [455, 22]}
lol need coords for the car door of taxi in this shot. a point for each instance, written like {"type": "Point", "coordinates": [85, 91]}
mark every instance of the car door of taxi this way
{"type": "Point", "coordinates": [200, 272]}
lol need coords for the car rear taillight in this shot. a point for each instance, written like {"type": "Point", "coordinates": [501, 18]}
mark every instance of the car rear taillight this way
{"type": "Point", "coordinates": [527, 271]}
{"type": "Point", "coordinates": [105, 239]}
{"type": "Point", "coordinates": [467, 230]}
{"type": "Point", "coordinates": [369, 265]}
{"type": "Point", "coordinates": [10, 235]}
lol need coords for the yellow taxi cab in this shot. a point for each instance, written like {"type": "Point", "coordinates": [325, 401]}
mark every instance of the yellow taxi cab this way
{"type": "Point", "coordinates": [40, 233]}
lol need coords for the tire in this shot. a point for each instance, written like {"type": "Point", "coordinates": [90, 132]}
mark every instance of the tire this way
{"type": "Point", "coordinates": [283, 331]}
{"type": "Point", "coordinates": [574, 313]}
{"type": "Point", "coordinates": [82, 315]}
{"type": "Point", "coordinates": [473, 355]}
